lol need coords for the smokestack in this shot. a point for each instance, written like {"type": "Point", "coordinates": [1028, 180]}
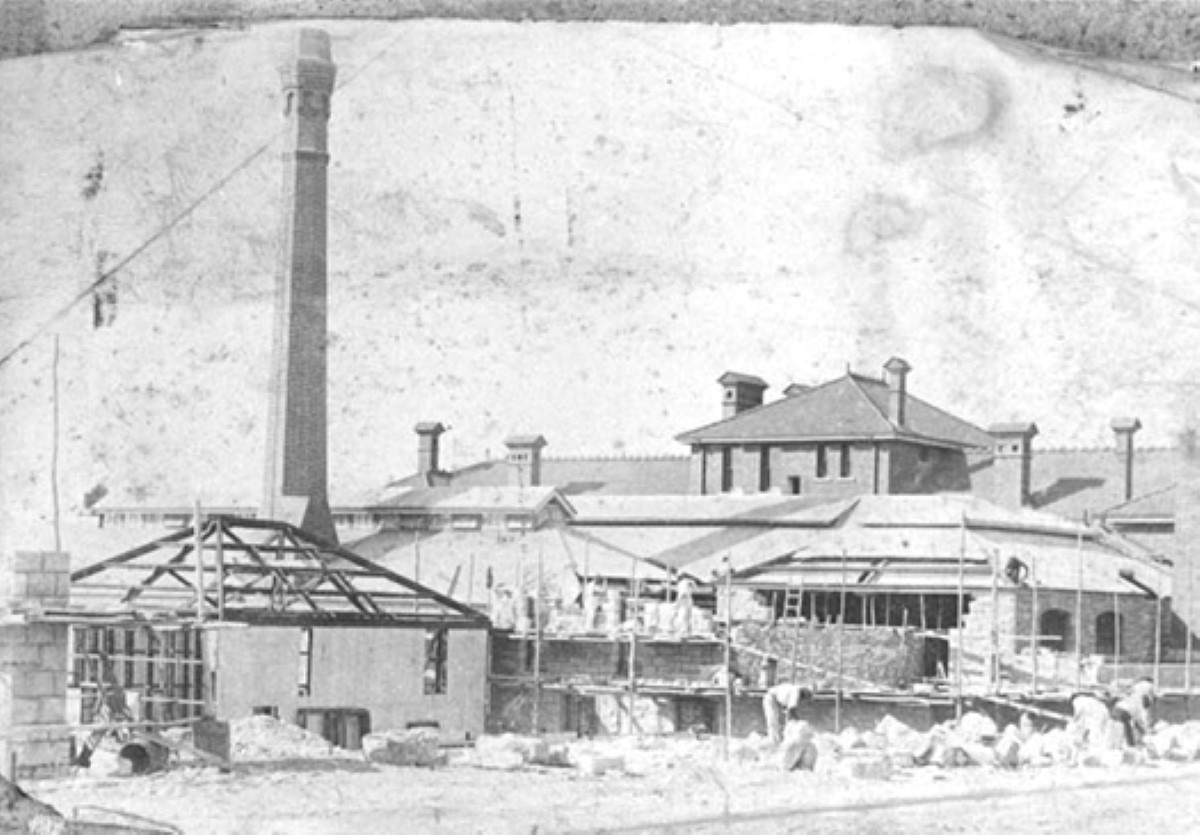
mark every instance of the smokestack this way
{"type": "Point", "coordinates": [525, 460]}
{"type": "Point", "coordinates": [428, 434]}
{"type": "Point", "coordinates": [295, 486]}
{"type": "Point", "coordinates": [1124, 429]}
{"type": "Point", "coordinates": [740, 392]}
{"type": "Point", "coordinates": [896, 372]}
{"type": "Point", "coordinates": [1012, 464]}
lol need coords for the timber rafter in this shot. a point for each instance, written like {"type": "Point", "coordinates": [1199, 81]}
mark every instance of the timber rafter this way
{"type": "Point", "coordinates": [265, 573]}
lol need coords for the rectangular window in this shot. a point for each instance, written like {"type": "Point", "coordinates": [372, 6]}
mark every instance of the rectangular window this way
{"type": "Point", "coordinates": [794, 485]}
{"type": "Point", "coordinates": [844, 462]}
{"type": "Point", "coordinates": [466, 523]}
{"type": "Point", "coordinates": [726, 469]}
{"type": "Point", "coordinates": [436, 653]}
{"type": "Point", "coordinates": [304, 679]}
{"type": "Point", "coordinates": [764, 468]}
{"type": "Point", "coordinates": [822, 461]}
{"type": "Point", "coordinates": [518, 521]}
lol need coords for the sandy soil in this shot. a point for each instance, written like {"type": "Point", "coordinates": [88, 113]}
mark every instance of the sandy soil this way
{"type": "Point", "coordinates": [681, 785]}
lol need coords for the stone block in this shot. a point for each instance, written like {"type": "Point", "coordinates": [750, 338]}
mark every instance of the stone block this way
{"type": "Point", "coordinates": [33, 684]}
{"type": "Point", "coordinates": [26, 711]}
{"type": "Point", "coordinates": [873, 767]}
{"type": "Point", "coordinates": [41, 586]}
{"type": "Point", "coordinates": [420, 747]}
{"type": "Point", "coordinates": [26, 562]}
{"type": "Point", "coordinates": [501, 751]}
{"type": "Point", "coordinates": [595, 765]}
{"type": "Point", "coordinates": [55, 562]}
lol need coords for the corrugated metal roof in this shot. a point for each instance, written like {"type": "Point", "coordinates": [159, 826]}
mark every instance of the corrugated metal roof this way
{"type": "Point", "coordinates": [714, 509]}
{"type": "Point", "coordinates": [457, 563]}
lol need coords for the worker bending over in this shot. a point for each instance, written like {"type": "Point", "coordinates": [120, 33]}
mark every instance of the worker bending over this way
{"type": "Point", "coordinates": [780, 704]}
{"type": "Point", "coordinates": [1133, 712]}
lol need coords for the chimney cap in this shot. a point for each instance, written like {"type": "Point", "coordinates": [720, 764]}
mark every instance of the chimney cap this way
{"type": "Point", "coordinates": [1009, 430]}
{"type": "Point", "coordinates": [796, 389]}
{"type": "Point", "coordinates": [515, 441]}
{"type": "Point", "coordinates": [732, 378]}
{"type": "Point", "coordinates": [427, 427]}
{"type": "Point", "coordinates": [897, 365]}
{"type": "Point", "coordinates": [1126, 424]}
{"type": "Point", "coordinates": [313, 44]}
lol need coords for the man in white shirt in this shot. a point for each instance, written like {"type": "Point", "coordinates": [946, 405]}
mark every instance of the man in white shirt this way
{"type": "Point", "coordinates": [779, 705]}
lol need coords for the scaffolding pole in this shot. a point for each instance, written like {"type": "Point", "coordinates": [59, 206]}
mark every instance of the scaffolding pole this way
{"type": "Point", "coordinates": [1116, 637]}
{"type": "Point", "coordinates": [220, 555]}
{"type": "Point", "coordinates": [634, 603]}
{"type": "Point", "coordinates": [1158, 635]}
{"type": "Point", "coordinates": [1035, 646]}
{"type": "Point", "coordinates": [837, 704]}
{"type": "Point", "coordinates": [796, 630]}
{"type": "Point", "coordinates": [1079, 611]}
{"type": "Point", "coordinates": [962, 567]}
{"type": "Point", "coordinates": [537, 649]}
{"type": "Point", "coordinates": [994, 663]}
{"type": "Point", "coordinates": [198, 546]}
{"type": "Point", "coordinates": [728, 654]}
{"type": "Point", "coordinates": [1188, 623]}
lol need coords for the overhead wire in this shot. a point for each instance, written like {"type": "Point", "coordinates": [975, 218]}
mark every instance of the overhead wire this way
{"type": "Point", "coordinates": [179, 218]}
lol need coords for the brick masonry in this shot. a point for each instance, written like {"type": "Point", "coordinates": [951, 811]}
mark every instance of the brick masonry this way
{"type": "Point", "coordinates": [33, 665]}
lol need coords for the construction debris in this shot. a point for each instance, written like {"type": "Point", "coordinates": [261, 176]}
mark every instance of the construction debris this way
{"type": "Point", "coordinates": [267, 738]}
{"type": "Point", "coordinates": [419, 747]}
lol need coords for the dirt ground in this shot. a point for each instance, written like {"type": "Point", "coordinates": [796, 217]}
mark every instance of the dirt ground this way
{"type": "Point", "coordinates": [678, 785]}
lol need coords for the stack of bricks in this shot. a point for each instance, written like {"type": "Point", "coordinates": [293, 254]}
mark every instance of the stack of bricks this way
{"type": "Point", "coordinates": [33, 664]}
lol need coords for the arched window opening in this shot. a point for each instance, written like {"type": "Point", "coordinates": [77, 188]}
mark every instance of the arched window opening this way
{"type": "Point", "coordinates": [1109, 638]}
{"type": "Point", "coordinates": [1054, 628]}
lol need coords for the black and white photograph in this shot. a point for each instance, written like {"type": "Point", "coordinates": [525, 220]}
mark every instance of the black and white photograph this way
{"type": "Point", "coordinates": [592, 416]}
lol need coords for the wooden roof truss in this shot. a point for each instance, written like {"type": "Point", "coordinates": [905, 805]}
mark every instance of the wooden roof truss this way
{"type": "Point", "coordinates": [265, 573]}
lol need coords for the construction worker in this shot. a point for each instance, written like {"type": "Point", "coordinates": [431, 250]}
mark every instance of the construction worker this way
{"type": "Point", "coordinates": [1133, 712]}
{"type": "Point", "coordinates": [782, 699]}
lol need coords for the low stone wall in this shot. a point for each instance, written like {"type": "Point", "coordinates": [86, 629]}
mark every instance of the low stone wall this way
{"type": "Point", "coordinates": [886, 656]}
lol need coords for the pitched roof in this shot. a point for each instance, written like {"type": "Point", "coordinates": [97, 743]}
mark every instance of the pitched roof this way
{"type": "Point", "coordinates": [651, 476]}
{"type": "Point", "coordinates": [474, 499]}
{"type": "Point", "coordinates": [851, 407]}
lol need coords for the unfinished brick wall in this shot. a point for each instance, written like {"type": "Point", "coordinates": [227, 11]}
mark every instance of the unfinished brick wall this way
{"type": "Point", "coordinates": [604, 661]}
{"type": "Point", "coordinates": [33, 665]}
{"type": "Point", "coordinates": [1138, 620]}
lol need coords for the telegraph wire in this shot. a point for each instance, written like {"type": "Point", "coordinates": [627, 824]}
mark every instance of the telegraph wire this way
{"type": "Point", "coordinates": [170, 225]}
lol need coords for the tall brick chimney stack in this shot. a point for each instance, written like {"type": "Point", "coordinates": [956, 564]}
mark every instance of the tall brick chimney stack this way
{"type": "Point", "coordinates": [1125, 429]}
{"type": "Point", "coordinates": [296, 483]}
{"type": "Point", "coordinates": [896, 371]}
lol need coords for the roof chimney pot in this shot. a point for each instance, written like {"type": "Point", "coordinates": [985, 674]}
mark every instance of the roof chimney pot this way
{"type": "Point", "coordinates": [525, 460]}
{"type": "Point", "coordinates": [896, 373]}
{"type": "Point", "coordinates": [740, 392]}
{"type": "Point", "coordinates": [428, 442]}
{"type": "Point", "coordinates": [1125, 429]}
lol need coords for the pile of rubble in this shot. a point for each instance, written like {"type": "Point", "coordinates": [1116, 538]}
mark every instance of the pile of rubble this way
{"type": "Point", "coordinates": [974, 740]}
{"type": "Point", "coordinates": [266, 738]}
